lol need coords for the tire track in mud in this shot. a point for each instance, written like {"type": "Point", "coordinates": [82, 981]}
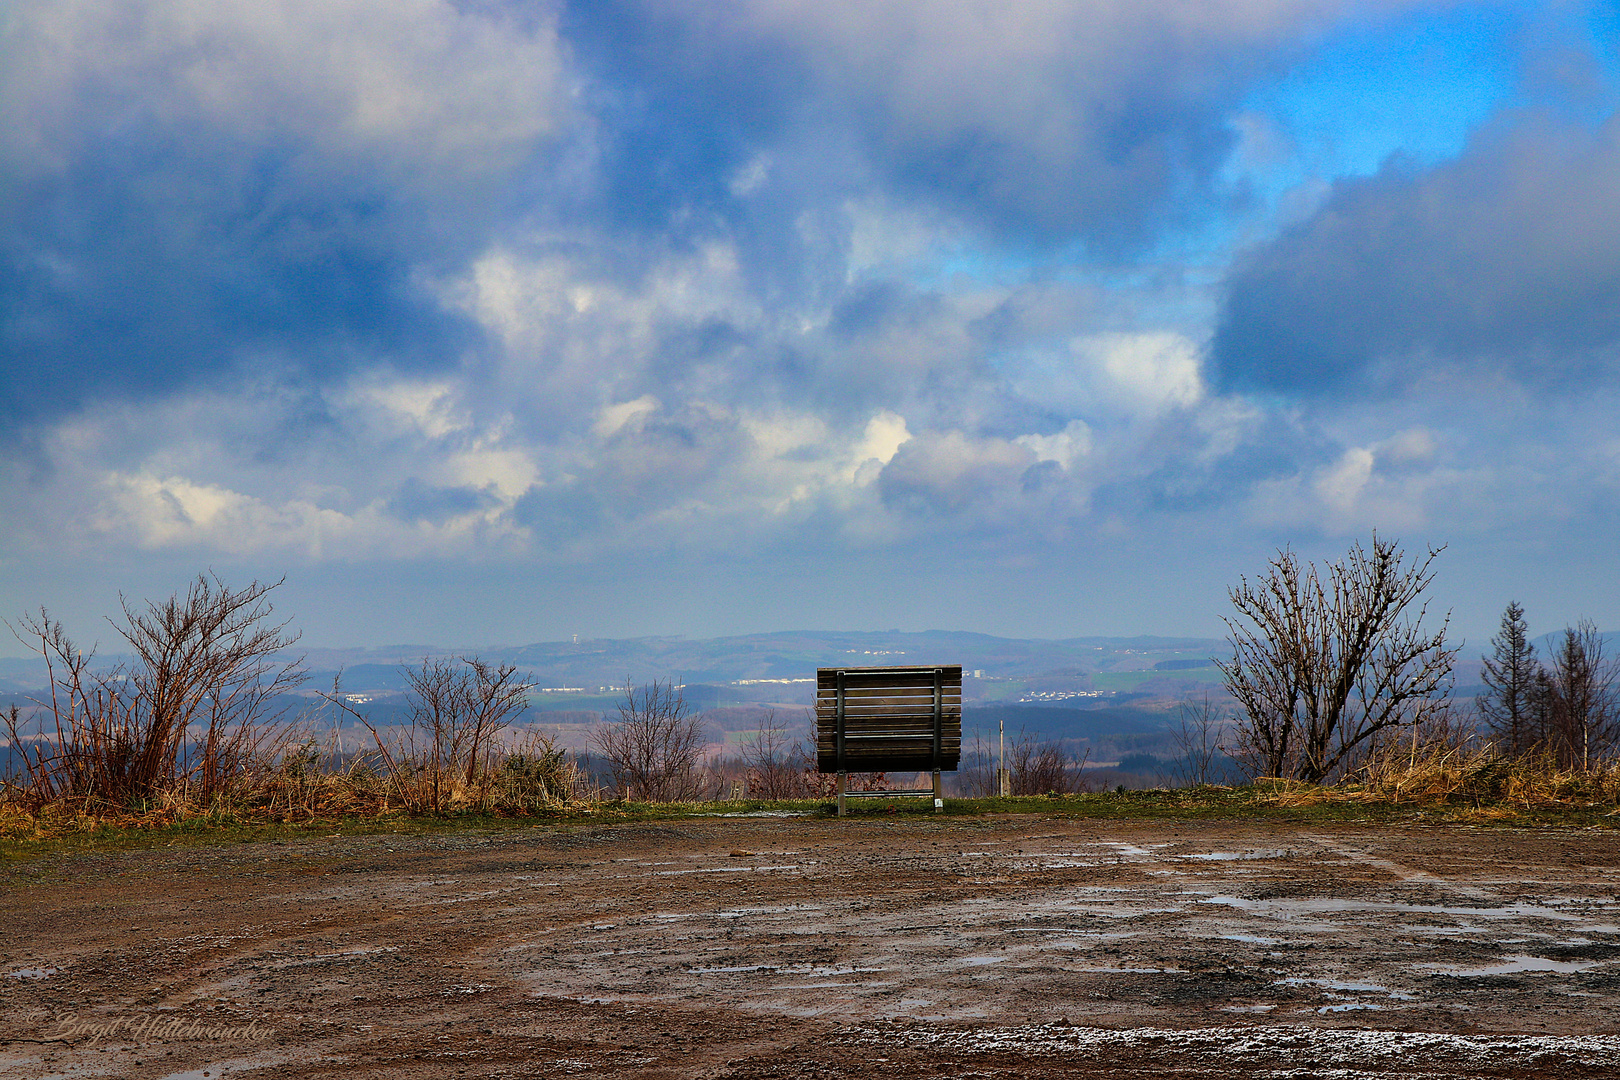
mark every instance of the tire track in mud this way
{"type": "Point", "coordinates": [1020, 947]}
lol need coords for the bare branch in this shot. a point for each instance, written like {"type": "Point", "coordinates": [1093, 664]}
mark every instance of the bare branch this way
{"type": "Point", "coordinates": [1319, 669]}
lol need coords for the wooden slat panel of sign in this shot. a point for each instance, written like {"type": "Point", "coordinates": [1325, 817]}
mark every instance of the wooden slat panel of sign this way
{"type": "Point", "coordinates": [890, 701]}
{"type": "Point", "coordinates": [894, 718]}
{"type": "Point", "coordinates": [827, 678]}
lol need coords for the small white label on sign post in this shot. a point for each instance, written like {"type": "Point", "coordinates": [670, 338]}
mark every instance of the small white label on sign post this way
{"type": "Point", "coordinates": [939, 804]}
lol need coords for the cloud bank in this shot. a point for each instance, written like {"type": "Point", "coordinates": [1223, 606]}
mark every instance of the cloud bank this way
{"type": "Point", "coordinates": [624, 289]}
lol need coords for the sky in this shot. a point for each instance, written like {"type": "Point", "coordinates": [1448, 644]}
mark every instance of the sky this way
{"type": "Point", "coordinates": [495, 322]}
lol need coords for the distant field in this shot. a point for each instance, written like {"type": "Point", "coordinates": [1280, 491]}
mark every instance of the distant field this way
{"type": "Point", "coordinates": [1129, 681]}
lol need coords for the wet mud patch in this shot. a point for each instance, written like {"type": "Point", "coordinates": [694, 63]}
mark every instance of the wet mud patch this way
{"type": "Point", "coordinates": [803, 947]}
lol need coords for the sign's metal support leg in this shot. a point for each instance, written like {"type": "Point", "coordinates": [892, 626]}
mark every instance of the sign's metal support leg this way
{"type": "Point", "coordinates": [843, 778]}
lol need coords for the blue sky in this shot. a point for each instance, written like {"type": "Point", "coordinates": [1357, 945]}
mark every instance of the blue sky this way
{"type": "Point", "coordinates": [497, 322]}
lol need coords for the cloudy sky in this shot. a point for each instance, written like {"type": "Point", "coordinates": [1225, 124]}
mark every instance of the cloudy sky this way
{"type": "Point", "coordinates": [498, 321]}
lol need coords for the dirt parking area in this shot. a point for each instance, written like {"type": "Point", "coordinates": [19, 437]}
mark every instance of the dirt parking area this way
{"type": "Point", "coordinates": [806, 947]}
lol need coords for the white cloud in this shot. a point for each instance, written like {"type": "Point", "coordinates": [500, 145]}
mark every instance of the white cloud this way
{"type": "Point", "coordinates": [885, 433]}
{"type": "Point", "coordinates": [1340, 485]}
{"type": "Point", "coordinates": [149, 512]}
{"type": "Point", "coordinates": [954, 474]}
{"type": "Point", "coordinates": [1412, 447]}
{"type": "Point", "coordinates": [612, 419]}
{"type": "Point", "coordinates": [428, 407]}
{"type": "Point", "coordinates": [748, 179]}
{"type": "Point", "coordinates": [1068, 447]}
{"type": "Point", "coordinates": [1151, 372]}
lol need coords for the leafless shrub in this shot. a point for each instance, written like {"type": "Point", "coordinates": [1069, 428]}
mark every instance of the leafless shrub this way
{"type": "Point", "coordinates": [654, 747]}
{"type": "Point", "coordinates": [456, 710]}
{"type": "Point", "coordinates": [1042, 768]}
{"type": "Point", "coordinates": [976, 773]}
{"type": "Point", "coordinates": [1320, 670]}
{"type": "Point", "coordinates": [1197, 736]}
{"type": "Point", "coordinates": [195, 709]}
{"type": "Point", "coordinates": [1034, 767]}
{"type": "Point", "coordinates": [778, 765]}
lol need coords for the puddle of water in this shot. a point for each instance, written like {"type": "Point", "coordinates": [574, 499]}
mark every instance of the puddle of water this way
{"type": "Point", "coordinates": [215, 1070]}
{"type": "Point", "coordinates": [1239, 856]}
{"type": "Point", "coordinates": [1252, 939]}
{"type": "Point", "coordinates": [1133, 850]}
{"type": "Point", "coordinates": [33, 973]}
{"type": "Point", "coordinates": [772, 968]}
{"type": "Point", "coordinates": [1516, 965]}
{"type": "Point", "coordinates": [1335, 905]}
{"type": "Point", "coordinates": [978, 961]}
{"type": "Point", "coordinates": [1121, 912]}
{"type": "Point", "coordinates": [1345, 987]}
{"type": "Point", "coordinates": [780, 909]}
{"type": "Point", "coordinates": [764, 813]}
{"type": "Point", "coordinates": [1350, 1006]}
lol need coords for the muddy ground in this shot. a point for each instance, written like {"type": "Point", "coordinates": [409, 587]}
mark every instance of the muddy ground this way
{"type": "Point", "coordinates": [795, 947]}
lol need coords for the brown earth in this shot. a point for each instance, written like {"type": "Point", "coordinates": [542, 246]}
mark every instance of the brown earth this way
{"type": "Point", "coordinates": [795, 947]}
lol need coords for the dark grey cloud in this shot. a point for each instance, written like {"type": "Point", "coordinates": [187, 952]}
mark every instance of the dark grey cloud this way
{"type": "Point", "coordinates": [208, 197]}
{"type": "Point", "coordinates": [200, 197]}
{"type": "Point", "coordinates": [143, 270]}
{"type": "Point", "coordinates": [1039, 121]}
{"type": "Point", "coordinates": [1504, 261]}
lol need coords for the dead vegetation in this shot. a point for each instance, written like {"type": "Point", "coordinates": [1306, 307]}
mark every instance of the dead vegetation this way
{"type": "Point", "coordinates": [450, 754]}
{"type": "Point", "coordinates": [192, 717]}
{"type": "Point", "coordinates": [201, 725]}
{"type": "Point", "coordinates": [196, 731]}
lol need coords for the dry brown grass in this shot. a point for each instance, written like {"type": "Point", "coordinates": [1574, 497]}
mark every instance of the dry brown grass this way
{"type": "Point", "coordinates": [524, 777]}
{"type": "Point", "coordinates": [1450, 771]}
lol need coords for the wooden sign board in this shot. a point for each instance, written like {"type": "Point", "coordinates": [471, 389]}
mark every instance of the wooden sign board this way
{"type": "Point", "coordinates": [888, 719]}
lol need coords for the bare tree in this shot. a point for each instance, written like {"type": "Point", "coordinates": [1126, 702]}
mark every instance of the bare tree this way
{"type": "Point", "coordinates": [1584, 703]}
{"type": "Point", "coordinates": [1197, 735]}
{"type": "Point", "coordinates": [192, 709]}
{"type": "Point", "coordinates": [653, 748]}
{"type": "Point", "coordinates": [1509, 674]}
{"type": "Point", "coordinates": [1320, 669]}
